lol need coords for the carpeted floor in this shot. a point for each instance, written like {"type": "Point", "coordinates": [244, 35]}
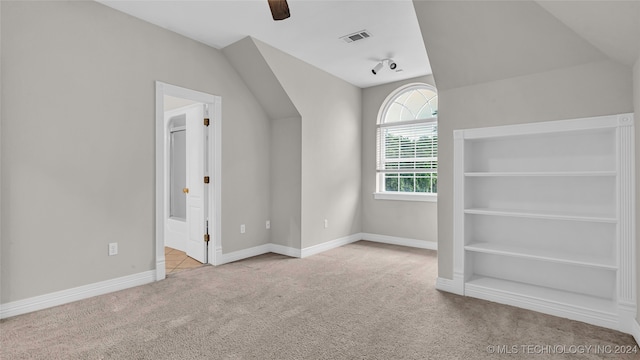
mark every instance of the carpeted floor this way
{"type": "Point", "coordinates": [360, 301]}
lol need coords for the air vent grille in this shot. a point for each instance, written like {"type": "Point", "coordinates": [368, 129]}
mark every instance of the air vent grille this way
{"type": "Point", "coordinates": [356, 36]}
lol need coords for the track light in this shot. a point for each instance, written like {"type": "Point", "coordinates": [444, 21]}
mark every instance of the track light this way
{"type": "Point", "coordinates": [376, 68]}
{"type": "Point", "coordinates": [392, 65]}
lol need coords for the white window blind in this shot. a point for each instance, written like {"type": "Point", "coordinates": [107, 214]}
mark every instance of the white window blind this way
{"type": "Point", "coordinates": [407, 146]}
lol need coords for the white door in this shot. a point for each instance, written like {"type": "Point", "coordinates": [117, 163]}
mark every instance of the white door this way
{"type": "Point", "coordinates": [175, 235]}
{"type": "Point", "coordinates": [196, 209]}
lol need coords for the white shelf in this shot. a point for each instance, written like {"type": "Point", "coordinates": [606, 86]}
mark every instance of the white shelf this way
{"type": "Point", "coordinates": [543, 217]}
{"type": "Point", "coordinates": [539, 215]}
{"type": "Point", "coordinates": [542, 255]}
{"type": "Point", "coordinates": [481, 284]}
{"type": "Point", "coordinates": [539, 173]}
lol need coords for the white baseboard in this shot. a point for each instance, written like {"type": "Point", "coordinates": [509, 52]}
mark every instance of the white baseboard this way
{"type": "Point", "coordinates": [332, 244]}
{"type": "Point", "coordinates": [83, 292]}
{"type": "Point", "coordinates": [257, 250]}
{"type": "Point", "coordinates": [595, 317]}
{"type": "Point", "coordinates": [316, 249]}
{"type": "Point", "coordinates": [394, 240]}
{"type": "Point", "coordinates": [243, 254]}
{"type": "Point", "coordinates": [74, 294]}
{"type": "Point", "coordinates": [285, 250]}
{"type": "Point", "coordinates": [608, 320]}
{"type": "Point", "coordinates": [636, 331]}
{"type": "Point", "coordinates": [454, 286]}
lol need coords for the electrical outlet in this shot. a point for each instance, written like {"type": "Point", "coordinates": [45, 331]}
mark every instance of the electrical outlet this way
{"type": "Point", "coordinates": [113, 249]}
{"type": "Point", "coordinates": [242, 229]}
{"type": "Point", "coordinates": [268, 224]}
{"type": "Point", "coordinates": [326, 223]}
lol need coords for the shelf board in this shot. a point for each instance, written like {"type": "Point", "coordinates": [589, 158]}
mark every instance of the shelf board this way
{"type": "Point", "coordinates": [542, 255]}
{"type": "Point", "coordinates": [511, 288]}
{"type": "Point", "coordinates": [539, 173]}
{"type": "Point", "coordinates": [539, 215]}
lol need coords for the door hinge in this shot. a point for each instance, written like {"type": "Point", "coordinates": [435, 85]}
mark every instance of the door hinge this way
{"type": "Point", "coordinates": [206, 238]}
{"type": "Point", "coordinates": [206, 179]}
{"type": "Point", "coordinates": [206, 121]}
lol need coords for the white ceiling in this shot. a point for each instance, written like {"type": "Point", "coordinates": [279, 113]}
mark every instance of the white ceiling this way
{"type": "Point", "coordinates": [312, 33]}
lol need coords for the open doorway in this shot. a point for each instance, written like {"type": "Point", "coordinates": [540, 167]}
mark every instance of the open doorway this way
{"type": "Point", "coordinates": [187, 178]}
{"type": "Point", "coordinates": [185, 216]}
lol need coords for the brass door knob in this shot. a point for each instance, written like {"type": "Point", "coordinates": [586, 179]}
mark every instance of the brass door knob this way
{"type": "Point", "coordinates": [185, 190]}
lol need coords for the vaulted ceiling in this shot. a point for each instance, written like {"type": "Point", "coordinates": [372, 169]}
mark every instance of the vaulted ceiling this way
{"type": "Point", "coordinates": [312, 33]}
{"type": "Point", "coordinates": [574, 32]}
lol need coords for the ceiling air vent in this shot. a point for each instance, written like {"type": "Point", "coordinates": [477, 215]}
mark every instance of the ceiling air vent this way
{"type": "Point", "coordinates": [359, 35]}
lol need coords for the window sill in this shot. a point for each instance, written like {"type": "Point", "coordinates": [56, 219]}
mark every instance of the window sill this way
{"type": "Point", "coordinates": [405, 196]}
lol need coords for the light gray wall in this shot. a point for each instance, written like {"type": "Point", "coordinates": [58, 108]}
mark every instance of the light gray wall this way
{"type": "Point", "coordinates": [408, 219]}
{"type": "Point", "coordinates": [555, 75]}
{"type": "Point", "coordinates": [74, 75]}
{"type": "Point", "coordinates": [286, 140]}
{"type": "Point", "coordinates": [286, 181]}
{"type": "Point", "coordinates": [636, 99]}
{"type": "Point", "coordinates": [331, 138]}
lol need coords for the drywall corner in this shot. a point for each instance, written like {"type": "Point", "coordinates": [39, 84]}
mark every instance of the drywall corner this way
{"type": "Point", "coordinates": [285, 137]}
{"type": "Point", "coordinates": [286, 185]}
{"type": "Point", "coordinates": [331, 114]}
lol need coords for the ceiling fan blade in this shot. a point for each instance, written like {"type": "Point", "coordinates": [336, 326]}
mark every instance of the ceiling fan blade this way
{"type": "Point", "coordinates": [279, 9]}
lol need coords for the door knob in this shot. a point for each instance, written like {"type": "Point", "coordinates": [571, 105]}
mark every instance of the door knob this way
{"type": "Point", "coordinates": [185, 190]}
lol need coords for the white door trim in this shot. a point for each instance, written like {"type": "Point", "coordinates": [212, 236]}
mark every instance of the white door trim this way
{"type": "Point", "coordinates": [214, 148]}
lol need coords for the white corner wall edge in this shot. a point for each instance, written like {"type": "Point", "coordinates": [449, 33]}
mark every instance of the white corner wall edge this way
{"type": "Point", "coordinates": [394, 240]}
{"type": "Point", "coordinates": [74, 294]}
{"type": "Point", "coordinates": [636, 331]}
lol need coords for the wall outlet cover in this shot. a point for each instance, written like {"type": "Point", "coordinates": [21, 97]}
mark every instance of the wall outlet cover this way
{"type": "Point", "coordinates": [113, 249]}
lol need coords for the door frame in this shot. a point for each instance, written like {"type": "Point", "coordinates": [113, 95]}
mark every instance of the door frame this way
{"type": "Point", "coordinates": [214, 159]}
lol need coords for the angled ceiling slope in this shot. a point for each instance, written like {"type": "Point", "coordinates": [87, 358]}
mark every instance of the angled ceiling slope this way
{"type": "Point", "coordinates": [246, 58]}
{"type": "Point", "coordinates": [472, 42]}
{"type": "Point", "coordinates": [611, 26]}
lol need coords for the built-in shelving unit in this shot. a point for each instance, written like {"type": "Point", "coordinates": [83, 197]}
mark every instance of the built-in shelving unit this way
{"type": "Point", "coordinates": [543, 217]}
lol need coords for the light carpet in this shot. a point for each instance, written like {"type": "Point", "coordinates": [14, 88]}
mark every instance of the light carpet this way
{"type": "Point", "coordinates": [360, 301]}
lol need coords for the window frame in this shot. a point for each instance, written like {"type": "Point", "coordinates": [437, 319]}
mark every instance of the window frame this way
{"type": "Point", "coordinates": [381, 193]}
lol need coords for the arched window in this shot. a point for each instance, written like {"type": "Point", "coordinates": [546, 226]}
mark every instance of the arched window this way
{"type": "Point", "coordinates": [407, 146]}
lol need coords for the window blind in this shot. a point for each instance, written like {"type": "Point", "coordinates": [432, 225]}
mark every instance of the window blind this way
{"type": "Point", "coordinates": [408, 148]}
